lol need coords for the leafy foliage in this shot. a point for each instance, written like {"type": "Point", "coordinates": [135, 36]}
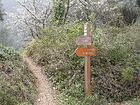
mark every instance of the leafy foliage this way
{"type": "Point", "coordinates": [17, 82]}
{"type": "Point", "coordinates": [59, 11]}
{"type": "Point", "coordinates": [117, 75]}
{"type": "Point", "coordinates": [127, 74]}
{"type": "Point", "coordinates": [115, 68]}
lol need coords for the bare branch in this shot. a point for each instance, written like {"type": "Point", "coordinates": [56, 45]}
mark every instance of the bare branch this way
{"type": "Point", "coordinates": [67, 10]}
{"type": "Point", "coordinates": [29, 11]}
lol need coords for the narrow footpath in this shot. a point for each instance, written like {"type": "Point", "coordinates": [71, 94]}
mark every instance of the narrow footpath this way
{"type": "Point", "coordinates": [46, 94]}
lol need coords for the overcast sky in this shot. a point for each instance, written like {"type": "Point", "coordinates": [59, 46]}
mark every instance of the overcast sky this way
{"type": "Point", "coordinates": [9, 5]}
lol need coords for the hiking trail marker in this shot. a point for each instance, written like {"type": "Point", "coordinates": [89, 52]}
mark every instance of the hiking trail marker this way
{"type": "Point", "coordinates": [84, 40]}
{"type": "Point", "coordinates": [87, 51]}
{"type": "Point", "coordinates": [82, 52]}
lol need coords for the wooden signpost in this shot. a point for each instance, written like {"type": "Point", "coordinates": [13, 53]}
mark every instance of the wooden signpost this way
{"type": "Point", "coordinates": [86, 52]}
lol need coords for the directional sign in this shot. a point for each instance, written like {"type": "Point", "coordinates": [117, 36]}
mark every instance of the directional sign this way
{"type": "Point", "coordinates": [82, 52]}
{"type": "Point", "coordinates": [86, 52]}
{"type": "Point", "coordinates": [84, 40]}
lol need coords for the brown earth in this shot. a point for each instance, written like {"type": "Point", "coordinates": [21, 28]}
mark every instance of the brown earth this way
{"type": "Point", "coordinates": [47, 95]}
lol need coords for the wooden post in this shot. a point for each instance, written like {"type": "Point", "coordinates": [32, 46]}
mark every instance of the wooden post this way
{"type": "Point", "coordinates": [88, 92]}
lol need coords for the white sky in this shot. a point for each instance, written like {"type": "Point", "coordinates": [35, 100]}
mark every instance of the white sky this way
{"type": "Point", "coordinates": [9, 5]}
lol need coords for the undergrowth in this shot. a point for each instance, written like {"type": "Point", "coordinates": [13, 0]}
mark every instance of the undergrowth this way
{"type": "Point", "coordinates": [115, 69]}
{"type": "Point", "coordinates": [16, 81]}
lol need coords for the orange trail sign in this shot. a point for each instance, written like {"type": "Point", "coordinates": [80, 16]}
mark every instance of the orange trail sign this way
{"type": "Point", "coordinates": [82, 52]}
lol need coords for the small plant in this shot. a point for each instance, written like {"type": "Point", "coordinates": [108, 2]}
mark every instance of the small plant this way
{"type": "Point", "coordinates": [127, 74]}
{"type": "Point", "coordinates": [117, 54]}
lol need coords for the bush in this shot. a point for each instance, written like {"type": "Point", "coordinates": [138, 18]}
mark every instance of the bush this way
{"type": "Point", "coordinates": [116, 69]}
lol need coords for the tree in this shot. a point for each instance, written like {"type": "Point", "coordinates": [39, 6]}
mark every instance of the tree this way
{"type": "Point", "coordinates": [35, 15]}
{"type": "Point", "coordinates": [3, 30]}
{"type": "Point", "coordinates": [1, 11]}
{"type": "Point", "coordinates": [83, 10]}
{"type": "Point", "coordinates": [113, 12]}
{"type": "Point", "coordinates": [61, 10]}
{"type": "Point", "coordinates": [32, 16]}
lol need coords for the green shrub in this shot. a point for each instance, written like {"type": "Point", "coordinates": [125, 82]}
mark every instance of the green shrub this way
{"type": "Point", "coordinates": [117, 51]}
{"type": "Point", "coordinates": [127, 74]}
{"type": "Point", "coordinates": [7, 53]}
{"type": "Point", "coordinates": [117, 54]}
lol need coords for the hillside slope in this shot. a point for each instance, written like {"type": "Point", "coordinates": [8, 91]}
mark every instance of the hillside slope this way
{"type": "Point", "coordinates": [115, 69]}
{"type": "Point", "coordinates": [46, 93]}
{"type": "Point", "coordinates": [16, 81]}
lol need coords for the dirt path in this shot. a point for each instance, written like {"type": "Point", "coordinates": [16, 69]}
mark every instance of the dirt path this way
{"type": "Point", "coordinates": [46, 94]}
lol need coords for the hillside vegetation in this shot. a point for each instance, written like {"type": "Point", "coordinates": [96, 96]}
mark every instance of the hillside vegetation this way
{"type": "Point", "coordinates": [16, 81]}
{"type": "Point", "coordinates": [115, 69]}
{"type": "Point", "coordinates": [53, 26]}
